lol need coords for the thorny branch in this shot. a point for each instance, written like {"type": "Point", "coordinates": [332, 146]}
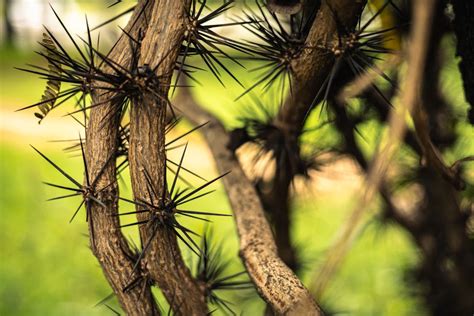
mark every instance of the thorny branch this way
{"type": "Point", "coordinates": [108, 244]}
{"type": "Point", "coordinates": [312, 66]}
{"type": "Point", "coordinates": [308, 72]}
{"type": "Point", "coordinates": [147, 155]}
{"type": "Point", "coordinates": [276, 283]}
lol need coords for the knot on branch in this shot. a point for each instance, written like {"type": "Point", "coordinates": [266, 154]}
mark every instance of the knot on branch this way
{"type": "Point", "coordinates": [191, 28]}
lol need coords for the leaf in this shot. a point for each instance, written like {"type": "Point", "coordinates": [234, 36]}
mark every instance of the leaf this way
{"type": "Point", "coordinates": [53, 87]}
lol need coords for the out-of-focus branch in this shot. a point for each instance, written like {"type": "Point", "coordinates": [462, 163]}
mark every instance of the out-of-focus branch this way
{"type": "Point", "coordinates": [276, 283]}
{"type": "Point", "coordinates": [464, 29]}
{"type": "Point", "coordinates": [431, 154]}
{"type": "Point", "coordinates": [431, 115]}
{"type": "Point", "coordinates": [107, 242]}
{"type": "Point", "coordinates": [347, 127]}
{"type": "Point", "coordinates": [419, 37]}
{"type": "Point", "coordinates": [443, 234]}
{"type": "Point", "coordinates": [276, 201]}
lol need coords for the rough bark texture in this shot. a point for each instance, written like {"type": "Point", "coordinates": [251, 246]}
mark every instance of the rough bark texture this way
{"type": "Point", "coordinates": [147, 153]}
{"type": "Point", "coordinates": [276, 283]}
{"type": "Point", "coordinates": [108, 244]}
{"type": "Point", "coordinates": [464, 29]}
{"type": "Point", "coordinates": [313, 66]}
{"type": "Point", "coordinates": [161, 22]}
{"type": "Point", "coordinates": [163, 259]}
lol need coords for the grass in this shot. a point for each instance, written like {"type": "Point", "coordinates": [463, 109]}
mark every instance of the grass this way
{"type": "Point", "coordinates": [46, 265]}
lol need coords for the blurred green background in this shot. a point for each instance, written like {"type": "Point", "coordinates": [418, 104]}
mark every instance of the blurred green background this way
{"type": "Point", "coordinates": [46, 267]}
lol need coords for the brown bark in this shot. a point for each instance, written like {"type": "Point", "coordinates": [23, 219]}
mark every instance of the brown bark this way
{"type": "Point", "coordinates": [309, 71]}
{"type": "Point", "coordinates": [163, 260]}
{"type": "Point", "coordinates": [275, 282]}
{"type": "Point", "coordinates": [107, 242]}
{"type": "Point", "coordinates": [161, 22]}
{"type": "Point", "coordinates": [312, 67]}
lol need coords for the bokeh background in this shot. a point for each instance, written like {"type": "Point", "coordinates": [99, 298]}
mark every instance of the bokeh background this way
{"type": "Point", "coordinates": [46, 267]}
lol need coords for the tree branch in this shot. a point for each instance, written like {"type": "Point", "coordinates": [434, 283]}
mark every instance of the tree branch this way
{"type": "Point", "coordinates": [312, 67]}
{"type": "Point", "coordinates": [423, 16]}
{"type": "Point", "coordinates": [163, 259]}
{"type": "Point", "coordinates": [308, 73]}
{"type": "Point", "coordinates": [276, 283]}
{"type": "Point", "coordinates": [107, 242]}
{"type": "Point", "coordinates": [431, 115]}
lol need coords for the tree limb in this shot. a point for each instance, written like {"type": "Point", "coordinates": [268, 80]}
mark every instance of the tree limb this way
{"type": "Point", "coordinates": [276, 283]}
{"type": "Point", "coordinates": [107, 241]}
{"type": "Point", "coordinates": [308, 73]}
{"type": "Point", "coordinates": [312, 67]}
{"type": "Point", "coordinates": [423, 10]}
{"type": "Point", "coordinates": [163, 259]}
